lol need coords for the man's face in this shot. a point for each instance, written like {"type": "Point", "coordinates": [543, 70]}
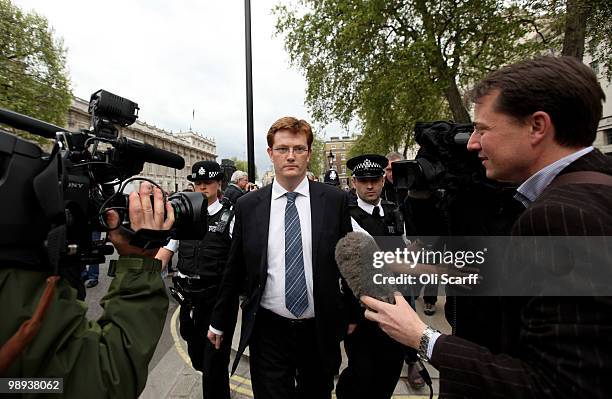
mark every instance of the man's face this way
{"type": "Point", "coordinates": [208, 187]}
{"type": "Point", "coordinates": [502, 142]}
{"type": "Point", "coordinates": [369, 189]}
{"type": "Point", "coordinates": [389, 172]}
{"type": "Point", "coordinates": [289, 154]}
{"type": "Point", "coordinates": [242, 182]}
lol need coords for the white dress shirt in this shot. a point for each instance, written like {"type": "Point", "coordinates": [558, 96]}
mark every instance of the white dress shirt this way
{"type": "Point", "coordinates": [273, 297]}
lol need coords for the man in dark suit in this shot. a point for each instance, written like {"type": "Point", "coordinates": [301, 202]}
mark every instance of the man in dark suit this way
{"type": "Point", "coordinates": [535, 122]}
{"type": "Point", "coordinates": [295, 312]}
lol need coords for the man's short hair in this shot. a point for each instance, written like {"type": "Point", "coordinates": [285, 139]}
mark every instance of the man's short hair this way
{"type": "Point", "coordinates": [294, 125]}
{"type": "Point", "coordinates": [237, 175]}
{"type": "Point", "coordinates": [394, 156]}
{"type": "Point", "coordinates": [563, 87]}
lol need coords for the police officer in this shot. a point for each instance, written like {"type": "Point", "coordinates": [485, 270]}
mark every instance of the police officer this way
{"type": "Point", "coordinates": [331, 178]}
{"type": "Point", "coordinates": [374, 361]}
{"type": "Point", "coordinates": [375, 215]}
{"type": "Point", "coordinates": [200, 269]}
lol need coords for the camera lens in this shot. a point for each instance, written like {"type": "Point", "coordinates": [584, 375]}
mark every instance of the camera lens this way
{"type": "Point", "coordinates": [190, 213]}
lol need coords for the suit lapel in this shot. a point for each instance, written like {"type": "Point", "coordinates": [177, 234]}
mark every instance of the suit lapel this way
{"type": "Point", "coordinates": [594, 160]}
{"type": "Point", "coordinates": [262, 217]}
{"type": "Point", "coordinates": [317, 206]}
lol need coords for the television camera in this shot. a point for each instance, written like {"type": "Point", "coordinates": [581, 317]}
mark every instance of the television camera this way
{"type": "Point", "coordinates": [448, 191]}
{"type": "Point", "coordinates": [442, 160]}
{"type": "Point", "coordinates": [53, 201]}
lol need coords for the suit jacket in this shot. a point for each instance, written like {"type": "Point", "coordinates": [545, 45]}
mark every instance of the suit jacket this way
{"type": "Point", "coordinates": [552, 347]}
{"type": "Point", "coordinates": [248, 259]}
{"type": "Point", "coordinates": [233, 192]}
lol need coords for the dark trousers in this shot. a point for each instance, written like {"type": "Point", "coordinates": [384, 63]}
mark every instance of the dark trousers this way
{"type": "Point", "coordinates": [211, 362]}
{"type": "Point", "coordinates": [285, 359]}
{"type": "Point", "coordinates": [374, 364]}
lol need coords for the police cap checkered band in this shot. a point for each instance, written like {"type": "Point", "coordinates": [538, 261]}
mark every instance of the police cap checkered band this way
{"type": "Point", "coordinates": [205, 170]}
{"type": "Point", "coordinates": [369, 165]}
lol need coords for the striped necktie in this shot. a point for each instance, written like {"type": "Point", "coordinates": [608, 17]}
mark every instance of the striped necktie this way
{"type": "Point", "coordinates": [296, 294]}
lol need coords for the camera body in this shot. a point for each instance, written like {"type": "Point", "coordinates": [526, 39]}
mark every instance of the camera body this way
{"type": "Point", "coordinates": [442, 161]}
{"type": "Point", "coordinates": [448, 191]}
{"type": "Point", "coordinates": [55, 200]}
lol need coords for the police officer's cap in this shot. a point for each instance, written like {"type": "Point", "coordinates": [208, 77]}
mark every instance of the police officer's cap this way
{"type": "Point", "coordinates": [205, 170]}
{"type": "Point", "coordinates": [331, 177]}
{"type": "Point", "coordinates": [367, 166]}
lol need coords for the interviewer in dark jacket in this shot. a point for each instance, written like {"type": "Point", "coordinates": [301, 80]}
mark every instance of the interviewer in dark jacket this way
{"type": "Point", "coordinates": [534, 124]}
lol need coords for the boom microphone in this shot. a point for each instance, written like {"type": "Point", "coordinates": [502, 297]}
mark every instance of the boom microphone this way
{"type": "Point", "coordinates": [148, 153]}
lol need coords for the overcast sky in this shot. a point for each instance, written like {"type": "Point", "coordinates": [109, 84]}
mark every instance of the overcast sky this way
{"type": "Point", "coordinates": [172, 57]}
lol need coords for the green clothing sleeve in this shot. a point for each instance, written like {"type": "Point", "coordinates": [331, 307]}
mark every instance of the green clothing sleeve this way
{"type": "Point", "coordinates": [107, 358]}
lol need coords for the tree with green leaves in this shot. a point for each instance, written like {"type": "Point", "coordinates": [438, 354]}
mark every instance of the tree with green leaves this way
{"type": "Point", "coordinates": [578, 27]}
{"type": "Point", "coordinates": [392, 104]}
{"type": "Point", "coordinates": [599, 34]}
{"type": "Point", "coordinates": [33, 76]}
{"type": "Point", "coordinates": [317, 156]}
{"type": "Point", "coordinates": [347, 47]}
{"type": "Point", "coordinates": [390, 63]}
{"type": "Point", "coordinates": [242, 165]}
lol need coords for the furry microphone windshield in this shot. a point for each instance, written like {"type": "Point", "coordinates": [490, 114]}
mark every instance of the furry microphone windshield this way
{"type": "Point", "coordinates": [355, 256]}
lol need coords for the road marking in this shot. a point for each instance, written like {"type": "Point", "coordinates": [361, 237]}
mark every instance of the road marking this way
{"type": "Point", "coordinates": [241, 380]}
{"type": "Point", "coordinates": [241, 390]}
{"type": "Point", "coordinates": [409, 396]}
{"type": "Point", "coordinates": [236, 378]}
{"type": "Point", "coordinates": [177, 339]}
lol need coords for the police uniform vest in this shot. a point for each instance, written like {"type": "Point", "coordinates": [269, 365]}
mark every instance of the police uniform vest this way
{"type": "Point", "coordinates": [207, 257]}
{"type": "Point", "coordinates": [390, 224]}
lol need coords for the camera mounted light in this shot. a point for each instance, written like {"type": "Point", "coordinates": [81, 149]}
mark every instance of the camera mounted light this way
{"type": "Point", "coordinates": [108, 109]}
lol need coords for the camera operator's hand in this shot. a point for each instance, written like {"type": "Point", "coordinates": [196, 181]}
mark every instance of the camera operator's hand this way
{"type": "Point", "coordinates": [143, 215]}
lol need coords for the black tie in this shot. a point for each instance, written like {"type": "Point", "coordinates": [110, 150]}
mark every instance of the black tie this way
{"type": "Point", "coordinates": [376, 212]}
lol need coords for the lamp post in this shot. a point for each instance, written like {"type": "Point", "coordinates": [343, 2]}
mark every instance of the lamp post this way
{"type": "Point", "coordinates": [330, 159]}
{"type": "Point", "coordinates": [249, 91]}
{"type": "Point", "coordinates": [175, 183]}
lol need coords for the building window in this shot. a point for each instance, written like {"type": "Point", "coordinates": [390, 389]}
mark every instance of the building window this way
{"type": "Point", "coordinates": [608, 136]}
{"type": "Point", "coordinates": [343, 156]}
{"type": "Point", "coordinates": [344, 169]}
{"type": "Point", "coordinates": [333, 147]}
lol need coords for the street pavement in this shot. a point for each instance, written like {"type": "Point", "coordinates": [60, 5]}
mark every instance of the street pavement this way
{"type": "Point", "coordinates": [170, 372]}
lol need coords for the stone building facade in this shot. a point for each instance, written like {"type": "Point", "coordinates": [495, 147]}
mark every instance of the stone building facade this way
{"type": "Point", "coordinates": [190, 145]}
{"type": "Point", "coordinates": [267, 178]}
{"type": "Point", "coordinates": [603, 141]}
{"type": "Point", "coordinates": [338, 148]}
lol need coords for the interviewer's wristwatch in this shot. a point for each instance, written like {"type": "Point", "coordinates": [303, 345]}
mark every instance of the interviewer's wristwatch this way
{"type": "Point", "coordinates": [424, 343]}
